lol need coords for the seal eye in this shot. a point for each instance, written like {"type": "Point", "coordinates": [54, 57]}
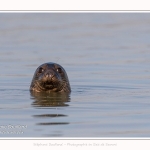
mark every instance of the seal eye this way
{"type": "Point", "coordinates": [59, 70]}
{"type": "Point", "coordinates": [41, 70]}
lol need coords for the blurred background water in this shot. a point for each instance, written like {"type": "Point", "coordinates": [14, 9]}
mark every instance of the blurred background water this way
{"type": "Point", "coordinates": [107, 59]}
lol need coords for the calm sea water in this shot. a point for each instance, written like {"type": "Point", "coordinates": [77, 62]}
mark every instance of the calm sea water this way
{"type": "Point", "coordinates": [107, 59]}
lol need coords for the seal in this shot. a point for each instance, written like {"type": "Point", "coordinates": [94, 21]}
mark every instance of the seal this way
{"type": "Point", "coordinates": [50, 77]}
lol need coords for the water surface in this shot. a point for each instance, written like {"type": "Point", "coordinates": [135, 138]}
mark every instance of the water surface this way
{"type": "Point", "coordinates": [107, 59]}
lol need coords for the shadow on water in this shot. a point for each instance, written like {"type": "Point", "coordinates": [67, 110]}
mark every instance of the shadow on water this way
{"type": "Point", "coordinates": [48, 101]}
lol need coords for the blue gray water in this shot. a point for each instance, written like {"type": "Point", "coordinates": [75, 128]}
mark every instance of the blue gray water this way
{"type": "Point", "coordinates": [107, 59]}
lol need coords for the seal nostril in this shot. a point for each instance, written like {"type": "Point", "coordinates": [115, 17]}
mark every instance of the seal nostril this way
{"type": "Point", "coordinates": [49, 75]}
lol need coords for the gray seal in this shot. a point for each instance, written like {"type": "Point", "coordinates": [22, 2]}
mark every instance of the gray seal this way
{"type": "Point", "coordinates": [50, 77]}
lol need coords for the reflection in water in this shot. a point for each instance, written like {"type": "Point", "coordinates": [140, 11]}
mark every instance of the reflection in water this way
{"type": "Point", "coordinates": [50, 99]}
{"type": "Point", "coordinates": [50, 115]}
{"type": "Point", "coordinates": [53, 123]}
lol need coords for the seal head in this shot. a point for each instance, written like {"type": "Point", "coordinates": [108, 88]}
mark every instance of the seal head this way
{"type": "Point", "coordinates": [50, 77]}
